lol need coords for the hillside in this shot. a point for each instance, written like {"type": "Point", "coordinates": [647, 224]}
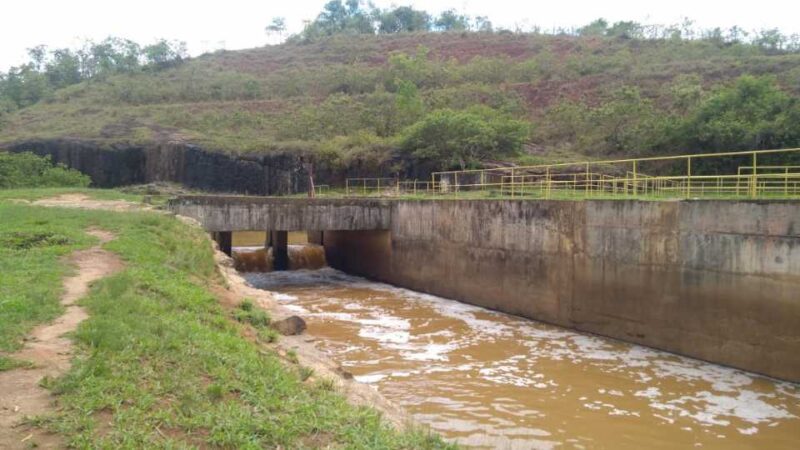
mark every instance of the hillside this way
{"type": "Point", "coordinates": [352, 99]}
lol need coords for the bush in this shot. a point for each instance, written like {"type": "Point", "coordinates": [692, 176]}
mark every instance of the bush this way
{"type": "Point", "coordinates": [21, 170]}
{"type": "Point", "coordinates": [248, 313]}
{"type": "Point", "coordinates": [463, 139]}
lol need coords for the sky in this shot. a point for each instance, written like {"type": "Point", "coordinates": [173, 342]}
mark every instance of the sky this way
{"type": "Point", "coordinates": [234, 24]}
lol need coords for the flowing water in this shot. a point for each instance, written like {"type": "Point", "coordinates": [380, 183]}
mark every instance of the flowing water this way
{"type": "Point", "coordinates": [492, 380]}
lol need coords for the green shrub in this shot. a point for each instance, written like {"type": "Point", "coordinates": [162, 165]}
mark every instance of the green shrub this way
{"type": "Point", "coordinates": [248, 313]}
{"type": "Point", "coordinates": [21, 170]}
{"type": "Point", "coordinates": [462, 139]}
{"type": "Point", "coordinates": [268, 335]}
{"type": "Point", "coordinates": [305, 372]}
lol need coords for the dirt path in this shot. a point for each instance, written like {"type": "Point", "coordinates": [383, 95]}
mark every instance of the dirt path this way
{"type": "Point", "coordinates": [85, 202]}
{"type": "Point", "coordinates": [50, 352]}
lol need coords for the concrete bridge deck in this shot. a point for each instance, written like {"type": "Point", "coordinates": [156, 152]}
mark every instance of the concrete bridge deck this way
{"type": "Point", "coordinates": [242, 213]}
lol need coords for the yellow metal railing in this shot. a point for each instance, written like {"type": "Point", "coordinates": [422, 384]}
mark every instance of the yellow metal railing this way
{"type": "Point", "coordinates": [687, 176]}
{"type": "Point", "coordinates": [749, 174]}
{"type": "Point", "coordinates": [367, 186]}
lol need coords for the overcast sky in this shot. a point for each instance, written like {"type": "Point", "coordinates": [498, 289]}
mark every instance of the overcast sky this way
{"type": "Point", "coordinates": [233, 24]}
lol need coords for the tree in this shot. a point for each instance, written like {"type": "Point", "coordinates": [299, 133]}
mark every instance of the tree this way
{"type": "Point", "coordinates": [340, 18]}
{"type": "Point", "coordinates": [483, 24]}
{"type": "Point", "coordinates": [450, 20]}
{"type": "Point", "coordinates": [771, 39]}
{"type": "Point", "coordinates": [63, 68]}
{"type": "Point", "coordinates": [403, 19]}
{"type": "Point", "coordinates": [462, 139]}
{"type": "Point", "coordinates": [164, 53]}
{"type": "Point", "coordinates": [409, 104]}
{"type": "Point", "coordinates": [596, 28]}
{"type": "Point", "coordinates": [754, 113]}
{"type": "Point", "coordinates": [277, 26]}
{"type": "Point", "coordinates": [625, 29]}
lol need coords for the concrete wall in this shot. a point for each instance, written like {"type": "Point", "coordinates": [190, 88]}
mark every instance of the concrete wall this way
{"type": "Point", "coordinates": [232, 213]}
{"type": "Point", "coordinates": [716, 280]}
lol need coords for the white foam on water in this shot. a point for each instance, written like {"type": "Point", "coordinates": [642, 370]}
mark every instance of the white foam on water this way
{"type": "Point", "coordinates": [650, 393]}
{"type": "Point", "coordinates": [283, 297]}
{"type": "Point", "coordinates": [382, 334]}
{"type": "Point", "coordinates": [431, 352]}
{"type": "Point", "coordinates": [296, 308]}
{"type": "Point", "coordinates": [394, 323]}
{"type": "Point", "coordinates": [369, 379]}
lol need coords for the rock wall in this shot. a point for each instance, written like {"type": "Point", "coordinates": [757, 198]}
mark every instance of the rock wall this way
{"type": "Point", "coordinates": [192, 166]}
{"type": "Point", "coordinates": [715, 280]}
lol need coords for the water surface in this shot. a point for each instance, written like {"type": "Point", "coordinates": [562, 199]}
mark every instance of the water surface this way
{"type": "Point", "coordinates": [492, 380]}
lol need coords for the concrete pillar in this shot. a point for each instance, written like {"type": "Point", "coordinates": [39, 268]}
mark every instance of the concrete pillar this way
{"type": "Point", "coordinates": [315, 237]}
{"type": "Point", "coordinates": [224, 241]}
{"type": "Point", "coordinates": [268, 241]}
{"type": "Point", "coordinates": [280, 250]}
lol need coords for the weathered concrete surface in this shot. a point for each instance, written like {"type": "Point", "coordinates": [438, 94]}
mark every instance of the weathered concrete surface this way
{"type": "Point", "coordinates": [232, 213]}
{"type": "Point", "coordinates": [716, 280]}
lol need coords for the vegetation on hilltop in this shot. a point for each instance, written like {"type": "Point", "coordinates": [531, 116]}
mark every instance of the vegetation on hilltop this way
{"type": "Point", "coordinates": [359, 84]}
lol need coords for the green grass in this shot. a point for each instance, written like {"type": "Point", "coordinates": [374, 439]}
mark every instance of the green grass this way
{"type": "Point", "coordinates": [161, 364]}
{"type": "Point", "coordinates": [7, 363]}
{"type": "Point", "coordinates": [32, 241]}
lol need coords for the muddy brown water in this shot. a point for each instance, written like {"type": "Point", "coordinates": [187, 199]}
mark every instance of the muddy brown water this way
{"type": "Point", "coordinates": [492, 380]}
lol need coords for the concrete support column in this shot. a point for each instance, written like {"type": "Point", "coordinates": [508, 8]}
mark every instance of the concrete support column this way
{"type": "Point", "coordinates": [224, 240]}
{"type": "Point", "coordinates": [315, 237]}
{"type": "Point", "coordinates": [280, 250]}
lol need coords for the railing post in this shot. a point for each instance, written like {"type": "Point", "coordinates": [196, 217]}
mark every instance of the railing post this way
{"type": "Point", "coordinates": [634, 179]}
{"type": "Point", "coordinates": [512, 182]}
{"type": "Point", "coordinates": [688, 176]}
{"type": "Point", "coordinates": [547, 180]}
{"type": "Point", "coordinates": [586, 180]}
{"type": "Point", "coordinates": [786, 183]}
{"type": "Point", "coordinates": [754, 178]}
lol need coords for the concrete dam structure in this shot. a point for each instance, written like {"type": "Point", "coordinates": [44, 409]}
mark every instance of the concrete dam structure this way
{"type": "Point", "coordinates": [715, 280]}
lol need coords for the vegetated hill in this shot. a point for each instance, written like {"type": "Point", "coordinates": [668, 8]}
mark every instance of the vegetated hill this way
{"type": "Point", "coordinates": [354, 99]}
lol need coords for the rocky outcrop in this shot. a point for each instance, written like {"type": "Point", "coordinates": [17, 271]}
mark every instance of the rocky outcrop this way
{"type": "Point", "coordinates": [112, 165]}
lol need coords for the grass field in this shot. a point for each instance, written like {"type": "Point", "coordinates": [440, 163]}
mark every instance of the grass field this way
{"type": "Point", "coordinates": [161, 363]}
